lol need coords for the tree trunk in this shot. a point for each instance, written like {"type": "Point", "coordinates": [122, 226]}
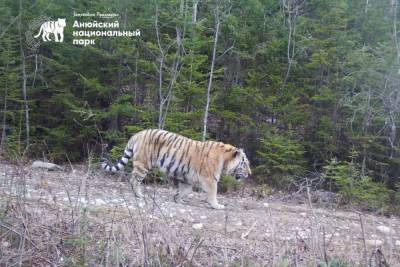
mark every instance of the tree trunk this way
{"type": "Point", "coordinates": [24, 77]}
{"type": "Point", "coordinates": [3, 132]}
{"type": "Point", "coordinates": [217, 22]}
{"type": "Point", "coordinates": [160, 72]}
{"type": "Point", "coordinates": [194, 14]}
{"type": "Point", "coordinates": [173, 71]}
{"type": "Point", "coordinates": [292, 10]}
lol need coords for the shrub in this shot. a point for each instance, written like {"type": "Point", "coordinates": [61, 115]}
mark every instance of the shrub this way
{"type": "Point", "coordinates": [355, 188]}
{"type": "Point", "coordinates": [262, 191]}
{"type": "Point", "coordinates": [228, 183]}
{"type": "Point", "coordinates": [281, 157]}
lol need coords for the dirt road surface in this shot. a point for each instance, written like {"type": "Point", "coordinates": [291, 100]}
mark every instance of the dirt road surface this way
{"type": "Point", "coordinates": [87, 217]}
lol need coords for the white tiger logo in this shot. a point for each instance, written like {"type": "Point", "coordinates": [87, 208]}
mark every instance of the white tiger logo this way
{"type": "Point", "coordinates": [54, 27]}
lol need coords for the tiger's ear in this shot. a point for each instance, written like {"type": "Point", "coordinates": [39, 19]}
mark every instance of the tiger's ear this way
{"type": "Point", "coordinates": [237, 152]}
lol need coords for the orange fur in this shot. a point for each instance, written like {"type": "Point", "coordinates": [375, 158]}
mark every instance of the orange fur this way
{"type": "Point", "coordinates": [182, 159]}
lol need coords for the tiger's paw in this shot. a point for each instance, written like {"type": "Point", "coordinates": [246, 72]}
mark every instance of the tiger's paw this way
{"type": "Point", "coordinates": [177, 198]}
{"type": "Point", "coordinates": [217, 206]}
{"type": "Point", "coordinates": [139, 194]}
{"type": "Point", "coordinates": [138, 191]}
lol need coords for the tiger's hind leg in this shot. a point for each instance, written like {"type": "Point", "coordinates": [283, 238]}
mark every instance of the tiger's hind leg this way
{"type": "Point", "coordinates": [47, 37]}
{"type": "Point", "coordinates": [138, 174]}
{"type": "Point", "coordinates": [183, 190]}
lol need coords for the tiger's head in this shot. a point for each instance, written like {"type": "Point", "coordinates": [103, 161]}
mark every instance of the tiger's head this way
{"type": "Point", "coordinates": [239, 166]}
{"type": "Point", "coordinates": [61, 22]}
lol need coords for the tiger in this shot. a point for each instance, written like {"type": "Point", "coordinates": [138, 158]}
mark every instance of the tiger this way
{"type": "Point", "coordinates": [184, 160]}
{"type": "Point", "coordinates": [54, 27]}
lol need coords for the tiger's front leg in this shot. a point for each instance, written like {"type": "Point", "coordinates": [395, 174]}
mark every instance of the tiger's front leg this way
{"type": "Point", "coordinates": [211, 188]}
{"type": "Point", "coordinates": [56, 36]}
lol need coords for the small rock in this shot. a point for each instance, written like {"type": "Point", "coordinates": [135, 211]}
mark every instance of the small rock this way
{"type": "Point", "coordinates": [266, 204]}
{"type": "Point", "coordinates": [182, 210]}
{"type": "Point", "coordinates": [384, 229]}
{"type": "Point", "coordinates": [45, 165]}
{"type": "Point", "coordinates": [82, 200]}
{"type": "Point", "coordinates": [303, 214]}
{"type": "Point", "coordinates": [397, 243]}
{"type": "Point", "coordinates": [197, 226]}
{"type": "Point", "coordinates": [5, 244]}
{"type": "Point", "coordinates": [375, 242]}
{"type": "Point", "coordinates": [328, 236]}
{"type": "Point", "coordinates": [230, 229]}
{"type": "Point", "coordinates": [238, 223]}
{"type": "Point", "coordinates": [99, 202]}
{"type": "Point", "coordinates": [303, 234]}
{"type": "Point", "coordinates": [203, 217]}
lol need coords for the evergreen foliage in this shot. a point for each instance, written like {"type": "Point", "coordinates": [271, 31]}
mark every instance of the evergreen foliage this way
{"type": "Point", "coordinates": [281, 158]}
{"type": "Point", "coordinates": [355, 188]}
{"type": "Point", "coordinates": [295, 83]}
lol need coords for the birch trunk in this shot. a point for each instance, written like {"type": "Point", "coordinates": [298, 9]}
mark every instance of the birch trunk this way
{"type": "Point", "coordinates": [194, 13]}
{"type": "Point", "coordinates": [3, 132]}
{"type": "Point", "coordinates": [217, 23]}
{"type": "Point", "coordinates": [24, 77]}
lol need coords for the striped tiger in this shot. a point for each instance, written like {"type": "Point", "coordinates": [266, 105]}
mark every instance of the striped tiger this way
{"type": "Point", "coordinates": [54, 27]}
{"type": "Point", "coordinates": [184, 160]}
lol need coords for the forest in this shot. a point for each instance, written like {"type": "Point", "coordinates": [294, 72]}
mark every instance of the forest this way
{"type": "Point", "coordinates": [308, 88]}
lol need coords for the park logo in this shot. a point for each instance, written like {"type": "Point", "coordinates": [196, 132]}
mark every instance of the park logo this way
{"type": "Point", "coordinates": [44, 29]}
{"type": "Point", "coordinates": [52, 27]}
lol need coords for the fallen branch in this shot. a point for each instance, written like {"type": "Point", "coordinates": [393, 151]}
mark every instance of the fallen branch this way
{"type": "Point", "coordinates": [363, 238]}
{"type": "Point", "coordinates": [250, 229]}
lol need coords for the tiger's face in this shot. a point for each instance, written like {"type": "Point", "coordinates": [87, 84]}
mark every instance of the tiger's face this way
{"type": "Point", "coordinates": [61, 22]}
{"type": "Point", "coordinates": [239, 167]}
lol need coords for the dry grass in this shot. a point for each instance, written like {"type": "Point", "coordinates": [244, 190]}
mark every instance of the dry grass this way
{"type": "Point", "coordinates": [85, 217]}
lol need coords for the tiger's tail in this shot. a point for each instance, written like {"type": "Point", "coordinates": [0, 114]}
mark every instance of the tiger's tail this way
{"type": "Point", "coordinates": [40, 31]}
{"type": "Point", "coordinates": [128, 153]}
